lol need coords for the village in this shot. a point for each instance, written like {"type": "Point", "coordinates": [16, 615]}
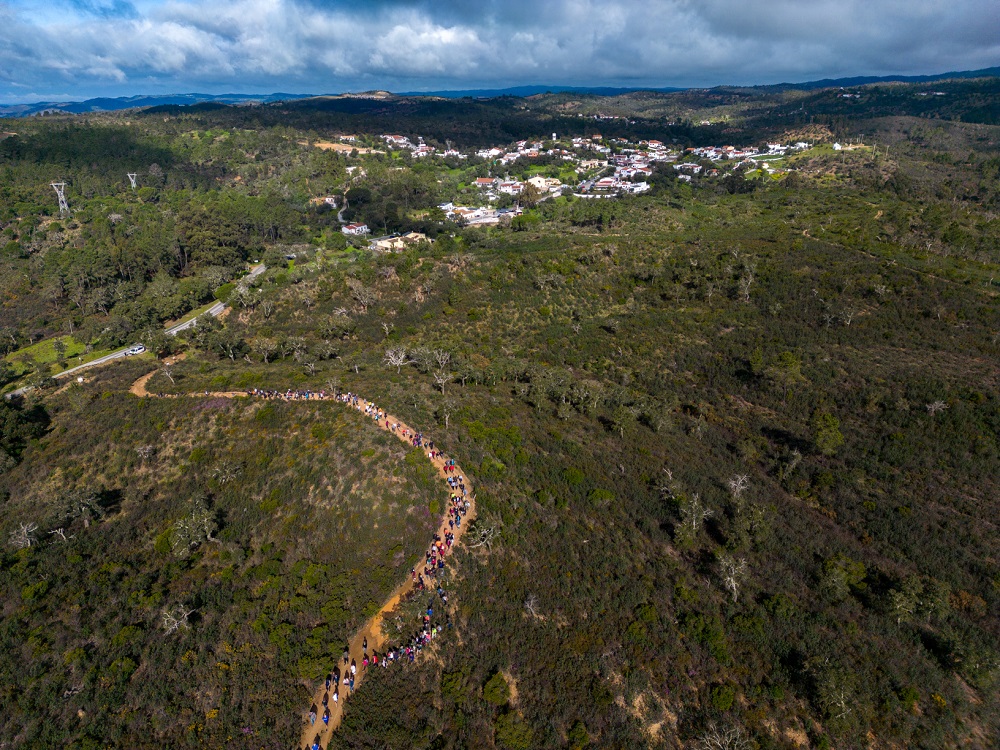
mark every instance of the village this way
{"type": "Point", "coordinates": [591, 167]}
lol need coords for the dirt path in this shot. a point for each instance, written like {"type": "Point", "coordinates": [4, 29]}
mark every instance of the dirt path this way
{"type": "Point", "coordinates": [371, 630]}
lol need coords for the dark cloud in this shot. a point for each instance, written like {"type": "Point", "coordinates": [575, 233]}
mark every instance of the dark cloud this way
{"type": "Point", "coordinates": [117, 46]}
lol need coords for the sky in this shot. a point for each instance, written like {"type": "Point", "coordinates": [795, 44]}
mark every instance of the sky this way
{"type": "Point", "coordinates": [75, 49]}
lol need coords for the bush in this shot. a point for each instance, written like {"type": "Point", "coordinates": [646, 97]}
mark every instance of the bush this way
{"type": "Point", "coordinates": [723, 697]}
{"type": "Point", "coordinates": [496, 690]}
{"type": "Point", "coordinates": [513, 733]}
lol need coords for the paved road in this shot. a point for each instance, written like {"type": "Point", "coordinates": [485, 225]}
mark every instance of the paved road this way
{"type": "Point", "coordinates": [215, 310]}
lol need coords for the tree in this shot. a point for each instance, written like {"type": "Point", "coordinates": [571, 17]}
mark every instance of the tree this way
{"type": "Point", "coordinates": [442, 378]}
{"type": "Point", "coordinates": [841, 575]}
{"type": "Point", "coordinates": [23, 536]}
{"type": "Point", "coordinates": [723, 738]}
{"type": "Point", "coordinates": [530, 195]}
{"type": "Point", "coordinates": [826, 433]}
{"type": "Point", "coordinates": [693, 515]}
{"type": "Point", "coordinates": [496, 690]}
{"type": "Point", "coordinates": [738, 485]}
{"type": "Point", "coordinates": [364, 296]}
{"type": "Point", "coordinates": [513, 732]}
{"type": "Point", "coordinates": [175, 617]}
{"type": "Point", "coordinates": [936, 407]}
{"type": "Point", "coordinates": [198, 526]}
{"type": "Point", "coordinates": [264, 347]}
{"type": "Point", "coordinates": [397, 357]}
{"type": "Point", "coordinates": [733, 571]}
{"type": "Point", "coordinates": [446, 409]}
{"type": "Point", "coordinates": [82, 503]}
{"type": "Point", "coordinates": [786, 372]}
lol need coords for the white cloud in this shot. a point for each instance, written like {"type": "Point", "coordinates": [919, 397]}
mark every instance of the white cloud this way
{"type": "Point", "coordinates": [115, 46]}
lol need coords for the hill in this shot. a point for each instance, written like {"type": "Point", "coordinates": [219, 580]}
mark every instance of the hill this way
{"type": "Point", "coordinates": [269, 532]}
{"type": "Point", "coordinates": [727, 393]}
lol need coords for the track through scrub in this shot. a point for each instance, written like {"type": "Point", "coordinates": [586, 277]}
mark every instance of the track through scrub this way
{"type": "Point", "coordinates": [372, 629]}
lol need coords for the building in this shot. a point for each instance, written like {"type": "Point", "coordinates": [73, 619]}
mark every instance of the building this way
{"type": "Point", "coordinates": [355, 229]}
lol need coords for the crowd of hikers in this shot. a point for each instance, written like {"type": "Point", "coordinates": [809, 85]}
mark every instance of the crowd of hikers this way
{"type": "Point", "coordinates": [428, 578]}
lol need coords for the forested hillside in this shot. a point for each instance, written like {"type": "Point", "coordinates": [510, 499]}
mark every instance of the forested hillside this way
{"type": "Point", "coordinates": [734, 440]}
{"type": "Point", "coordinates": [191, 561]}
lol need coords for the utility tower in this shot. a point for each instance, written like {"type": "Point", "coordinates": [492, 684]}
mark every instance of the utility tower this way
{"type": "Point", "coordinates": [131, 178]}
{"type": "Point", "coordinates": [60, 188]}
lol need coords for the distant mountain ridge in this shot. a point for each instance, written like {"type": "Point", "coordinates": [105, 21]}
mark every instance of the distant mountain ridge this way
{"type": "Point", "coordinates": [863, 80]}
{"type": "Point", "coordinates": [110, 104]}
{"type": "Point", "coordinates": [531, 90]}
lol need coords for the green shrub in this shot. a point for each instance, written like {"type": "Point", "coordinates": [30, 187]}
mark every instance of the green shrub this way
{"type": "Point", "coordinates": [513, 733]}
{"type": "Point", "coordinates": [723, 697]}
{"type": "Point", "coordinates": [601, 496]}
{"type": "Point", "coordinates": [496, 690]}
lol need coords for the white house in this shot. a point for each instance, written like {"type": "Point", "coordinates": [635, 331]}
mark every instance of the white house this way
{"type": "Point", "coordinates": [355, 229]}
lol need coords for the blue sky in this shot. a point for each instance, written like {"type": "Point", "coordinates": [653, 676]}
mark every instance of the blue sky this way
{"type": "Point", "coordinates": [72, 49]}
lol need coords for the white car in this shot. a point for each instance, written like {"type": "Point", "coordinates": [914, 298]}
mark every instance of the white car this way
{"type": "Point", "coordinates": [135, 349]}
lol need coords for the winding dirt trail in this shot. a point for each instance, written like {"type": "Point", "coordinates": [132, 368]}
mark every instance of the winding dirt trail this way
{"type": "Point", "coordinates": [372, 629]}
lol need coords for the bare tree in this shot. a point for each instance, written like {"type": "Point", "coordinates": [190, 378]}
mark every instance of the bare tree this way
{"type": "Point", "coordinates": [937, 406]}
{"type": "Point", "coordinates": [485, 535]}
{"type": "Point", "coordinates": [227, 472]}
{"type": "Point", "coordinates": [530, 604]}
{"type": "Point", "coordinates": [442, 358]}
{"type": "Point", "coordinates": [146, 451]}
{"type": "Point", "coordinates": [669, 488]}
{"type": "Point", "coordinates": [167, 370]}
{"type": "Point", "coordinates": [175, 618]}
{"type": "Point", "coordinates": [61, 533]}
{"type": "Point", "coordinates": [738, 485]}
{"type": "Point", "coordinates": [442, 378]}
{"type": "Point", "coordinates": [266, 308]}
{"type": "Point", "coordinates": [297, 346]}
{"type": "Point", "coordinates": [397, 357]}
{"type": "Point", "coordinates": [693, 515]}
{"type": "Point", "coordinates": [447, 409]}
{"type": "Point", "coordinates": [23, 536]}
{"type": "Point", "coordinates": [733, 572]}
{"type": "Point", "coordinates": [725, 738]}
{"type": "Point", "coordinates": [198, 526]}
{"type": "Point", "coordinates": [745, 283]}
{"type": "Point", "coordinates": [387, 327]}
{"type": "Point", "coordinates": [364, 296]}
